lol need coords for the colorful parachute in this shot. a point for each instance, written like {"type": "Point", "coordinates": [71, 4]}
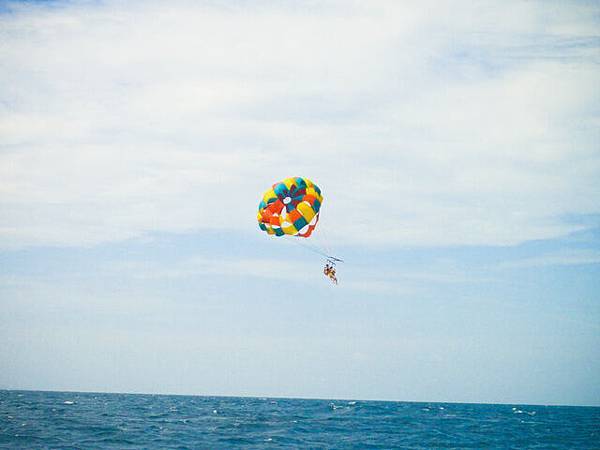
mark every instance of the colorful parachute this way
{"type": "Point", "coordinates": [290, 207]}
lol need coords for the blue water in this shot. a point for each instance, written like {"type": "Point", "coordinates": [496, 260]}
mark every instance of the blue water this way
{"type": "Point", "coordinates": [31, 419]}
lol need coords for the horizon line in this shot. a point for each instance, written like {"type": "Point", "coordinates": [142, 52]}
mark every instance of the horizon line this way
{"type": "Point", "coordinates": [277, 397]}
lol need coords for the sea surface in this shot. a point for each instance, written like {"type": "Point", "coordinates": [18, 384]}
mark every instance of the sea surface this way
{"type": "Point", "coordinates": [32, 420]}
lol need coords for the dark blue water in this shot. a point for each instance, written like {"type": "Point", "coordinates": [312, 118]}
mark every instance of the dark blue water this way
{"type": "Point", "coordinates": [86, 420]}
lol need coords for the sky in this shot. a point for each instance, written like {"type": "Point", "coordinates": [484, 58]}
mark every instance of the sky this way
{"type": "Point", "coordinates": [457, 145]}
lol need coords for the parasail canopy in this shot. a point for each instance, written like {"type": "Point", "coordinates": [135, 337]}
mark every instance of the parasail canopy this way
{"type": "Point", "coordinates": [290, 207]}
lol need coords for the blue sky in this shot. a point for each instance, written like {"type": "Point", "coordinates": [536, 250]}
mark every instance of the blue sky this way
{"type": "Point", "coordinates": [456, 145]}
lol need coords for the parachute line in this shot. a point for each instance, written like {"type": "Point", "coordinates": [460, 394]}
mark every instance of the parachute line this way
{"type": "Point", "coordinates": [297, 240]}
{"type": "Point", "coordinates": [312, 248]}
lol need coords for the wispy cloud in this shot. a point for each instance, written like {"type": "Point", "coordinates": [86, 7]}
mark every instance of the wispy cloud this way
{"type": "Point", "coordinates": [202, 266]}
{"type": "Point", "coordinates": [561, 258]}
{"type": "Point", "coordinates": [422, 126]}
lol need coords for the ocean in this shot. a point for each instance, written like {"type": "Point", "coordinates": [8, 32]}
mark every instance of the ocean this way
{"type": "Point", "coordinates": [34, 420]}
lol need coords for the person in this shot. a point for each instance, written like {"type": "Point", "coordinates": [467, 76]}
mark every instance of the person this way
{"type": "Point", "coordinates": [329, 272]}
{"type": "Point", "coordinates": [332, 276]}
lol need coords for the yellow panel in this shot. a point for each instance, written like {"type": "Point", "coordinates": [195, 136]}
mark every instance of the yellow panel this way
{"type": "Point", "coordinates": [288, 182]}
{"type": "Point", "coordinates": [268, 195]}
{"type": "Point", "coordinates": [288, 228]}
{"type": "Point", "coordinates": [306, 210]}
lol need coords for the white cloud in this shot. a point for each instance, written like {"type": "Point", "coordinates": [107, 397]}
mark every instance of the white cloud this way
{"type": "Point", "coordinates": [422, 126]}
{"type": "Point", "coordinates": [561, 258]}
{"type": "Point", "coordinates": [202, 266]}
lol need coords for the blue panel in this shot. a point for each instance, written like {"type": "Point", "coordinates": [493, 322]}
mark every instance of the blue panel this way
{"type": "Point", "coordinates": [280, 189]}
{"type": "Point", "coordinates": [300, 223]}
